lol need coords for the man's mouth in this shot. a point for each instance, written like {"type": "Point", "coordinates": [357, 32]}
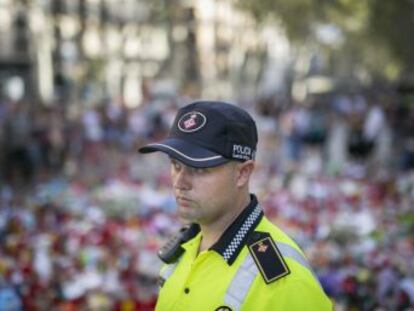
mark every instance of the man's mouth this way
{"type": "Point", "coordinates": [183, 201]}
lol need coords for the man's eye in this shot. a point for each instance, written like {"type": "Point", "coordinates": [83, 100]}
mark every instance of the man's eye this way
{"type": "Point", "coordinates": [176, 165]}
{"type": "Point", "coordinates": [200, 170]}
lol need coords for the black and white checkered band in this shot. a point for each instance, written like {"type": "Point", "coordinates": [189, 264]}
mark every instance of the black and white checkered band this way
{"type": "Point", "coordinates": [241, 234]}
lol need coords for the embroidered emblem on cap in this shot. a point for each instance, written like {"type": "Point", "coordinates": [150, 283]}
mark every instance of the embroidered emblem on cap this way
{"type": "Point", "coordinates": [192, 121]}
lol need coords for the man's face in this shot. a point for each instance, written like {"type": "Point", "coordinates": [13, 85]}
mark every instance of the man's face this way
{"type": "Point", "coordinates": [204, 195]}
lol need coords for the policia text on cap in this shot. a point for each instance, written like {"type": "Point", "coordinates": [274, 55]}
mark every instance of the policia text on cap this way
{"type": "Point", "coordinates": [229, 256]}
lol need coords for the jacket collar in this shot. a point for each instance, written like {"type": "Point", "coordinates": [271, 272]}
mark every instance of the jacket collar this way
{"type": "Point", "coordinates": [235, 236]}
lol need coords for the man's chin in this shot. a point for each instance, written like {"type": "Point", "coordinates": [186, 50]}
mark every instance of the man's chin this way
{"type": "Point", "coordinates": [186, 218]}
{"type": "Point", "coordinates": [185, 222]}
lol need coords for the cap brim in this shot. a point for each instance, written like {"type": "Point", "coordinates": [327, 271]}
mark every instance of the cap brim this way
{"type": "Point", "coordinates": [188, 153]}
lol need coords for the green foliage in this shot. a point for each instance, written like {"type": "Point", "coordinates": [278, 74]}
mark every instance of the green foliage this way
{"type": "Point", "coordinates": [378, 35]}
{"type": "Point", "coordinates": [296, 15]}
{"type": "Point", "coordinates": [392, 24]}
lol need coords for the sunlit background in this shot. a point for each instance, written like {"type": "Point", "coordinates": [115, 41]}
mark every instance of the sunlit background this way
{"type": "Point", "coordinates": [83, 83]}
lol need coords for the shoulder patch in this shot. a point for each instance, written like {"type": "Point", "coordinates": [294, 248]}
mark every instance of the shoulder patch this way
{"type": "Point", "coordinates": [267, 257]}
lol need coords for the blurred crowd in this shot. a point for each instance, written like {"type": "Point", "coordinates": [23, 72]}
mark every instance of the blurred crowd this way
{"type": "Point", "coordinates": [82, 213]}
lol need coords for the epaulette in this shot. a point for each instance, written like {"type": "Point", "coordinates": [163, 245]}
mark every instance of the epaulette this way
{"type": "Point", "coordinates": [267, 256]}
{"type": "Point", "coordinates": [172, 250]}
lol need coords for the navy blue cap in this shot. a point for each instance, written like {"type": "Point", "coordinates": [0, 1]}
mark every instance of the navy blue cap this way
{"type": "Point", "coordinates": [209, 133]}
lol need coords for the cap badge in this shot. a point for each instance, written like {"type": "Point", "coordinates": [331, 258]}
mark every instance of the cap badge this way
{"type": "Point", "coordinates": [191, 121]}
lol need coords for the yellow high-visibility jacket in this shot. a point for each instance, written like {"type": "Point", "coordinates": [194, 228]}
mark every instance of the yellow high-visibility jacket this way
{"type": "Point", "coordinates": [253, 267]}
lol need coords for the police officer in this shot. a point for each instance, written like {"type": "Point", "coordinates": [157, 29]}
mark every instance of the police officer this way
{"type": "Point", "coordinates": [229, 256]}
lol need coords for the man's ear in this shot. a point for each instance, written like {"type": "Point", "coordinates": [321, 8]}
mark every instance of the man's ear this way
{"type": "Point", "coordinates": [244, 170]}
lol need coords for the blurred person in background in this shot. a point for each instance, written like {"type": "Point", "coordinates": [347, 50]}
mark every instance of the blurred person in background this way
{"type": "Point", "coordinates": [17, 139]}
{"type": "Point", "coordinates": [229, 250]}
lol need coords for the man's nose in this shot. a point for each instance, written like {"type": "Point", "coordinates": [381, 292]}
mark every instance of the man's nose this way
{"type": "Point", "coordinates": [182, 180]}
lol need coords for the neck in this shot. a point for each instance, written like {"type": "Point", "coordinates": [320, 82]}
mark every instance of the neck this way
{"type": "Point", "coordinates": [212, 232]}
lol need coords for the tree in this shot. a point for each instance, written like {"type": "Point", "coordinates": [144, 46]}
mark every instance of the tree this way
{"type": "Point", "coordinates": [377, 35]}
